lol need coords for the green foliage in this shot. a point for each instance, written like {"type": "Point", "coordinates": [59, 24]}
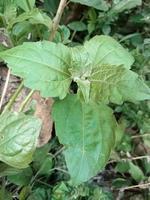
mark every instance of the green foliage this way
{"type": "Point", "coordinates": [87, 73]}
{"type": "Point", "coordinates": [98, 4]}
{"type": "Point", "coordinates": [102, 76]}
{"type": "Point", "coordinates": [50, 61]}
{"type": "Point", "coordinates": [84, 139]}
{"type": "Point", "coordinates": [18, 138]}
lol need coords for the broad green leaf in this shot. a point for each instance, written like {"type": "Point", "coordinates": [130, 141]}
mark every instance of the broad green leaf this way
{"type": "Point", "coordinates": [116, 85]}
{"type": "Point", "coordinates": [106, 50]}
{"type": "Point", "coordinates": [84, 129]}
{"type": "Point", "coordinates": [26, 5]}
{"type": "Point", "coordinates": [125, 5]}
{"type": "Point", "coordinates": [101, 70]}
{"type": "Point", "coordinates": [43, 65]}
{"type": "Point", "coordinates": [98, 4]}
{"type": "Point", "coordinates": [18, 138]}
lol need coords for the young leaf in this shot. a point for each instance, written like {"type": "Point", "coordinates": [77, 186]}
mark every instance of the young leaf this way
{"type": "Point", "coordinates": [88, 133]}
{"type": "Point", "coordinates": [18, 138]}
{"type": "Point", "coordinates": [43, 65]}
{"type": "Point", "coordinates": [101, 70]}
{"type": "Point", "coordinates": [98, 4]}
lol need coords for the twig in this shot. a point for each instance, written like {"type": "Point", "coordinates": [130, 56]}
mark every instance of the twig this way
{"type": "Point", "coordinates": [141, 186]}
{"type": "Point", "coordinates": [25, 102]}
{"type": "Point", "coordinates": [13, 98]}
{"type": "Point", "coordinates": [128, 159]}
{"type": "Point", "coordinates": [140, 136]}
{"type": "Point", "coordinates": [5, 88]}
{"type": "Point", "coordinates": [57, 18]}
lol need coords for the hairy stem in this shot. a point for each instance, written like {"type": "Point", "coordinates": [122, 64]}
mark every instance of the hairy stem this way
{"type": "Point", "coordinates": [25, 102]}
{"type": "Point", "coordinates": [57, 18]}
{"type": "Point", "coordinates": [5, 89]}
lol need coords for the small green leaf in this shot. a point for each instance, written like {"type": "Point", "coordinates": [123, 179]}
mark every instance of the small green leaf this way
{"type": "Point", "coordinates": [6, 170]}
{"type": "Point", "coordinates": [21, 179]}
{"type": "Point", "coordinates": [77, 26]}
{"type": "Point", "coordinates": [84, 129]}
{"type": "Point", "coordinates": [4, 194]}
{"type": "Point", "coordinates": [26, 5]}
{"type": "Point", "coordinates": [43, 167]}
{"type": "Point", "coordinates": [40, 194]}
{"type": "Point", "coordinates": [98, 4]}
{"type": "Point", "coordinates": [43, 65]}
{"type": "Point", "coordinates": [34, 16]}
{"type": "Point", "coordinates": [121, 182]}
{"type": "Point", "coordinates": [122, 166]}
{"type": "Point", "coordinates": [136, 172]}
{"type": "Point", "coordinates": [18, 138]}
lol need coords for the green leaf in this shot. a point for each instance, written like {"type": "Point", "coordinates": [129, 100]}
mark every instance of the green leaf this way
{"type": "Point", "coordinates": [34, 16]}
{"type": "Point", "coordinates": [125, 5]}
{"type": "Point", "coordinates": [21, 179]}
{"type": "Point", "coordinates": [101, 70]}
{"type": "Point", "coordinates": [6, 170]}
{"type": "Point", "coordinates": [106, 50]}
{"type": "Point", "coordinates": [26, 5]}
{"type": "Point", "coordinates": [116, 85]}
{"type": "Point", "coordinates": [77, 26]}
{"type": "Point", "coordinates": [4, 194]}
{"type": "Point", "coordinates": [44, 166]}
{"type": "Point", "coordinates": [136, 172]}
{"type": "Point", "coordinates": [98, 4]}
{"type": "Point", "coordinates": [8, 11]}
{"type": "Point", "coordinates": [84, 129]}
{"type": "Point", "coordinates": [18, 138]}
{"type": "Point", "coordinates": [40, 194]}
{"type": "Point", "coordinates": [43, 65]}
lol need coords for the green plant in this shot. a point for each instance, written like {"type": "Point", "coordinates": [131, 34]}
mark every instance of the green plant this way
{"type": "Point", "coordinates": [84, 120]}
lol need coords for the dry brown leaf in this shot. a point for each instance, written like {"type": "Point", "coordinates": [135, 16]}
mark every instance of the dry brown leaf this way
{"type": "Point", "coordinates": [43, 111]}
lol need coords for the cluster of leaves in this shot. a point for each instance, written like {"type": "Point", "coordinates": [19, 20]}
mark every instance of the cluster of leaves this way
{"type": "Point", "coordinates": [84, 119]}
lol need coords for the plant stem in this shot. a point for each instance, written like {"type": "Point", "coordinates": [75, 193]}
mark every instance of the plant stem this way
{"type": "Point", "coordinates": [25, 102]}
{"type": "Point", "coordinates": [129, 159]}
{"type": "Point", "coordinates": [5, 89]}
{"type": "Point", "coordinates": [57, 18]}
{"type": "Point", "coordinates": [140, 136]}
{"type": "Point", "coordinates": [141, 186]}
{"type": "Point", "coordinates": [13, 98]}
